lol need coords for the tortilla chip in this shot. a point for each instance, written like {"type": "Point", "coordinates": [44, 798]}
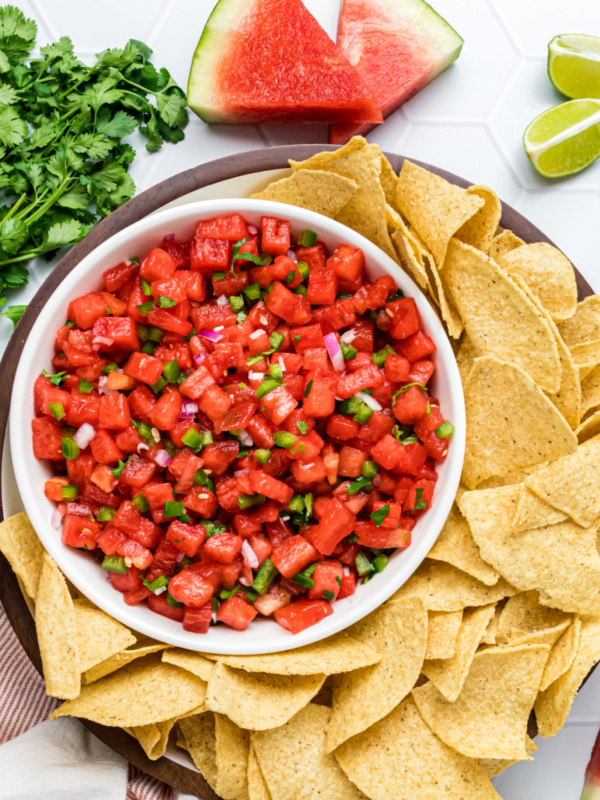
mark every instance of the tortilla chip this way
{"type": "Point", "coordinates": [257, 786]}
{"type": "Point", "coordinates": [494, 766]}
{"type": "Point", "coordinates": [503, 243]}
{"type": "Point", "coordinates": [584, 325]}
{"type": "Point", "coordinates": [408, 255]}
{"type": "Point", "coordinates": [534, 513]}
{"type": "Point", "coordinates": [389, 183]}
{"type": "Point", "coordinates": [144, 692]}
{"type": "Point", "coordinates": [561, 559]}
{"type": "Point", "coordinates": [121, 659]}
{"type": "Point", "coordinates": [499, 317]}
{"type": "Point", "coordinates": [590, 391]}
{"type": "Point", "coordinates": [200, 741]}
{"type": "Point", "coordinates": [571, 484]}
{"type": "Point", "coordinates": [449, 675]}
{"type": "Point", "coordinates": [193, 662]}
{"type": "Point", "coordinates": [417, 259]}
{"type": "Point", "coordinates": [568, 397]}
{"type": "Point", "coordinates": [23, 550]}
{"type": "Point", "coordinates": [586, 356]}
{"type": "Point", "coordinates": [294, 762]}
{"type": "Point", "coordinates": [232, 746]}
{"type": "Point", "coordinates": [363, 697]}
{"type": "Point", "coordinates": [489, 719]}
{"type": "Point", "coordinates": [442, 632]}
{"type": "Point", "coordinates": [465, 358]}
{"type": "Point", "coordinates": [589, 428]}
{"type": "Point", "coordinates": [479, 230]}
{"type": "Point", "coordinates": [442, 587]}
{"type": "Point", "coordinates": [258, 701]}
{"type": "Point", "coordinates": [490, 634]}
{"type": "Point", "coordinates": [366, 210]}
{"type": "Point", "coordinates": [549, 275]}
{"type": "Point", "coordinates": [98, 635]}
{"type": "Point", "coordinates": [400, 758]}
{"type": "Point", "coordinates": [523, 614]}
{"type": "Point", "coordinates": [154, 738]}
{"type": "Point", "coordinates": [455, 545]}
{"type": "Point", "coordinates": [562, 654]}
{"type": "Point", "coordinates": [435, 207]}
{"type": "Point", "coordinates": [338, 653]}
{"type": "Point", "coordinates": [552, 706]}
{"type": "Point", "coordinates": [323, 192]}
{"type": "Point", "coordinates": [511, 424]}
{"type": "Point", "coordinates": [57, 633]}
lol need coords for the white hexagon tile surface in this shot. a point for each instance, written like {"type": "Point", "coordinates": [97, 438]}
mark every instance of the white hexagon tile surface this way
{"type": "Point", "coordinates": [470, 121]}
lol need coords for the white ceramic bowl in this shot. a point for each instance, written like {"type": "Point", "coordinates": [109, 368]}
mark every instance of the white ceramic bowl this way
{"type": "Point", "coordinates": [262, 636]}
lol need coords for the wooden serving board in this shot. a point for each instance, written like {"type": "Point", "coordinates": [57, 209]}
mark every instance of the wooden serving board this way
{"type": "Point", "coordinates": [210, 179]}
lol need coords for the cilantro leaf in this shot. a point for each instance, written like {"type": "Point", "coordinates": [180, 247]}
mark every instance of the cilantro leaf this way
{"type": "Point", "coordinates": [63, 164]}
{"type": "Point", "coordinates": [8, 95]}
{"type": "Point", "coordinates": [14, 313]}
{"type": "Point", "coordinates": [55, 379]}
{"type": "Point", "coordinates": [377, 517]}
{"type": "Point", "coordinates": [13, 129]}
{"type": "Point", "coordinates": [327, 595]}
{"type": "Point", "coordinates": [302, 427]}
{"type": "Point", "coordinates": [121, 124]}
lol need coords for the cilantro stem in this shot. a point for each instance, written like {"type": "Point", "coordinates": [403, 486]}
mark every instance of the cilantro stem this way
{"type": "Point", "coordinates": [14, 208]}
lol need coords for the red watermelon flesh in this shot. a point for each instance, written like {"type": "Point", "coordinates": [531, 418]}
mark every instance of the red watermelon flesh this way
{"type": "Point", "coordinates": [271, 61]}
{"type": "Point", "coordinates": [398, 46]}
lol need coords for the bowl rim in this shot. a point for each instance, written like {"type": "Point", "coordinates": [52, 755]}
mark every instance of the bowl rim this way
{"type": "Point", "coordinates": [110, 601]}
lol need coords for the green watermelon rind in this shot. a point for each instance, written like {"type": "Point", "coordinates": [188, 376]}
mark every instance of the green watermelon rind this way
{"type": "Point", "coordinates": [206, 58]}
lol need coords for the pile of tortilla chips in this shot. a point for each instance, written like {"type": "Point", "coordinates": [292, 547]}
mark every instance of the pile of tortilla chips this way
{"type": "Point", "coordinates": [429, 696]}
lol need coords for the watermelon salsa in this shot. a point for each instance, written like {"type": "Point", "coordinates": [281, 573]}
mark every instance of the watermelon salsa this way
{"type": "Point", "coordinates": [240, 425]}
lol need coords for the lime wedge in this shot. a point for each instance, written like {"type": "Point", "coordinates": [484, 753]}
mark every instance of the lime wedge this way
{"type": "Point", "coordinates": [564, 139]}
{"type": "Point", "coordinates": [574, 64]}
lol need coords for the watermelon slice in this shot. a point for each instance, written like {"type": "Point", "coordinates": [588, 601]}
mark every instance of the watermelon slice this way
{"type": "Point", "coordinates": [398, 46]}
{"type": "Point", "coordinates": [270, 61]}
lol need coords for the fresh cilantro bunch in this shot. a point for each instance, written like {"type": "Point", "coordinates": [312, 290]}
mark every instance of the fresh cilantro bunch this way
{"type": "Point", "coordinates": [63, 165]}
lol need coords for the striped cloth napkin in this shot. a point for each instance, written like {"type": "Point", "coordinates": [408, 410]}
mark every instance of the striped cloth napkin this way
{"type": "Point", "coordinates": [56, 759]}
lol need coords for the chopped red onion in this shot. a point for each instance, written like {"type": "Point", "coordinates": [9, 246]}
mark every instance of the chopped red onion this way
{"type": "Point", "coordinates": [376, 481]}
{"type": "Point", "coordinates": [252, 230]}
{"type": "Point", "coordinates": [292, 254]}
{"type": "Point", "coordinates": [142, 448]}
{"type": "Point", "coordinates": [348, 337]}
{"type": "Point", "coordinates": [373, 404]}
{"type": "Point", "coordinates": [256, 376]}
{"type": "Point", "coordinates": [246, 439]}
{"type": "Point", "coordinates": [102, 388]}
{"type": "Point", "coordinates": [199, 357]}
{"type": "Point", "coordinates": [189, 409]}
{"type": "Point", "coordinates": [249, 556]}
{"type": "Point", "coordinates": [213, 336]}
{"type": "Point", "coordinates": [335, 352]}
{"type": "Point", "coordinates": [238, 472]}
{"type": "Point", "coordinates": [170, 237]}
{"type": "Point", "coordinates": [162, 458]}
{"type": "Point", "coordinates": [84, 435]}
{"type": "Point", "coordinates": [222, 300]}
{"type": "Point", "coordinates": [56, 518]}
{"type": "Point", "coordinates": [245, 581]}
{"type": "Point", "coordinates": [255, 334]}
{"type": "Point", "coordinates": [180, 557]}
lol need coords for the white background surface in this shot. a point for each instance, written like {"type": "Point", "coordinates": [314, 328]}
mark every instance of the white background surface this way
{"type": "Point", "coordinates": [470, 121]}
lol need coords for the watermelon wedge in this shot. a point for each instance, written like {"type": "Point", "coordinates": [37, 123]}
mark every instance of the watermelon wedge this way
{"type": "Point", "coordinates": [271, 61]}
{"type": "Point", "coordinates": [398, 46]}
